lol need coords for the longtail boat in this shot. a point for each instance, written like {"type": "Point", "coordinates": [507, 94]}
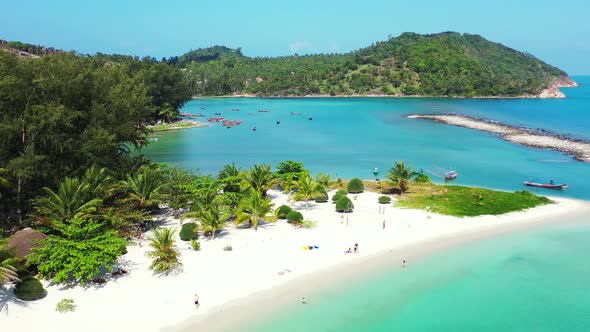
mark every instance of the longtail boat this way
{"type": "Point", "coordinates": [550, 185]}
{"type": "Point", "coordinates": [216, 119]}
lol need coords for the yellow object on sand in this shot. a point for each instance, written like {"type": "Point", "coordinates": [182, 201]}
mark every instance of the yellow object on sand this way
{"type": "Point", "coordinates": [305, 248]}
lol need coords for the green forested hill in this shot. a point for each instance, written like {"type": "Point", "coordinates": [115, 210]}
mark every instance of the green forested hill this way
{"type": "Point", "coordinates": [444, 64]}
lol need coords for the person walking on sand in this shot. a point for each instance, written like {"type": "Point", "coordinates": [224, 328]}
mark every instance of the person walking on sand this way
{"type": "Point", "coordinates": [342, 218]}
{"type": "Point", "coordinates": [356, 248]}
{"type": "Point", "coordinates": [405, 264]}
{"type": "Point", "coordinates": [197, 304]}
{"type": "Point", "coordinates": [303, 300]}
{"type": "Point", "coordinates": [383, 223]}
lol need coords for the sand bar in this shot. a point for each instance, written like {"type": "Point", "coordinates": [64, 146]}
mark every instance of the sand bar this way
{"type": "Point", "coordinates": [534, 138]}
{"type": "Point", "coordinates": [227, 280]}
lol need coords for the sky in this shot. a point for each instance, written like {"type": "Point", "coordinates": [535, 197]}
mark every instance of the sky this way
{"type": "Point", "coordinates": [556, 31]}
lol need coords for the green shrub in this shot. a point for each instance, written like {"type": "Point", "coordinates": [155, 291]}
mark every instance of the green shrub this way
{"type": "Point", "coordinates": [422, 178]}
{"type": "Point", "coordinates": [65, 305]}
{"type": "Point", "coordinates": [195, 245]}
{"type": "Point", "coordinates": [344, 204]}
{"type": "Point", "coordinates": [294, 217]}
{"type": "Point", "coordinates": [188, 231]}
{"type": "Point", "coordinates": [339, 194]}
{"type": "Point", "coordinates": [321, 196]}
{"type": "Point", "coordinates": [356, 186]}
{"type": "Point", "coordinates": [228, 248]}
{"type": "Point", "coordinates": [282, 211]}
{"type": "Point", "coordinates": [30, 289]}
{"type": "Point", "coordinates": [384, 199]}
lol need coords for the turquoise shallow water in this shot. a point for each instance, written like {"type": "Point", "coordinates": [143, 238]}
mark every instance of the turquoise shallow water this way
{"type": "Point", "coordinates": [532, 281]}
{"type": "Point", "coordinates": [350, 137]}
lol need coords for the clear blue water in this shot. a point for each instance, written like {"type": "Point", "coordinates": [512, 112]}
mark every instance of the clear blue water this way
{"type": "Point", "coordinates": [349, 137]}
{"type": "Point", "coordinates": [531, 281]}
{"type": "Point", "coordinates": [538, 280]}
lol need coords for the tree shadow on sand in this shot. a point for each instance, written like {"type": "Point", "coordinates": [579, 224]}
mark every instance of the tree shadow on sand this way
{"type": "Point", "coordinates": [8, 299]}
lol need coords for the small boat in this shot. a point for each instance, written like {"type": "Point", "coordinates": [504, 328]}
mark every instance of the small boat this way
{"type": "Point", "coordinates": [310, 118]}
{"type": "Point", "coordinates": [217, 113]}
{"type": "Point", "coordinates": [200, 115]}
{"type": "Point", "coordinates": [235, 109]}
{"type": "Point", "coordinates": [376, 171]}
{"type": "Point", "coordinates": [450, 175]}
{"type": "Point", "coordinates": [184, 114]}
{"type": "Point", "coordinates": [263, 111]}
{"type": "Point", "coordinates": [230, 123]}
{"type": "Point", "coordinates": [202, 107]}
{"type": "Point", "coordinates": [549, 185]}
{"type": "Point", "coordinates": [278, 121]}
{"type": "Point", "coordinates": [216, 119]}
{"type": "Point", "coordinates": [295, 113]}
{"type": "Point", "coordinates": [251, 113]}
{"type": "Point", "coordinates": [254, 129]}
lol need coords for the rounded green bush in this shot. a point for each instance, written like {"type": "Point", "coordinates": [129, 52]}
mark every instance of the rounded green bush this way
{"type": "Point", "coordinates": [321, 196]}
{"type": "Point", "coordinates": [384, 199]}
{"type": "Point", "coordinates": [282, 211]}
{"type": "Point", "coordinates": [339, 194]}
{"type": "Point", "coordinates": [294, 217]}
{"type": "Point", "coordinates": [344, 204]}
{"type": "Point", "coordinates": [355, 186]}
{"type": "Point", "coordinates": [188, 231]}
{"type": "Point", "coordinates": [422, 178]}
{"type": "Point", "coordinates": [30, 289]}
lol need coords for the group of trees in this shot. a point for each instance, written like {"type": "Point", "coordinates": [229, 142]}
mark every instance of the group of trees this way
{"type": "Point", "coordinates": [444, 64]}
{"type": "Point", "coordinates": [62, 112]}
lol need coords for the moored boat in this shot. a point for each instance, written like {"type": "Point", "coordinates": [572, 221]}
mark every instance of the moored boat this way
{"type": "Point", "coordinates": [216, 119]}
{"type": "Point", "coordinates": [263, 111]}
{"type": "Point", "coordinates": [549, 185]}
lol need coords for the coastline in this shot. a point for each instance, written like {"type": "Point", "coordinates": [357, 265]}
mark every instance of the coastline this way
{"type": "Point", "coordinates": [181, 124]}
{"type": "Point", "coordinates": [551, 92]}
{"type": "Point", "coordinates": [227, 282]}
{"type": "Point", "coordinates": [533, 138]}
{"type": "Point", "coordinates": [261, 305]}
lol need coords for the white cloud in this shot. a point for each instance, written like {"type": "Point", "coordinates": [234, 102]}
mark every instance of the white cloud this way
{"type": "Point", "coordinates": [300, 46]}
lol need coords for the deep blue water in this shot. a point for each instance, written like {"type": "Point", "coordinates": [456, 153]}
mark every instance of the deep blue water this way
{"type": "Point", "coordinates": [349, 137]}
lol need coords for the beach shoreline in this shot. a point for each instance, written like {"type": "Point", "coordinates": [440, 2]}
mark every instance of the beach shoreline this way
{"type": "Point", "coordinates": [236, 286]}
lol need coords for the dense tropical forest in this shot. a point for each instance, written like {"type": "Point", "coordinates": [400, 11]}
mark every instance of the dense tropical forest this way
{"type": "Point", "coordinates": [444, 64]}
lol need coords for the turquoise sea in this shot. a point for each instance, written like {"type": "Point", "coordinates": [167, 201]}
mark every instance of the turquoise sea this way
{"type": "Point", "coordinates": [349, 137]}
{"type": "Point", "coordinates": [535, 280]}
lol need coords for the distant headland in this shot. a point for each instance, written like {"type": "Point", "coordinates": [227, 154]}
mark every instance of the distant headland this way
{"type": "Point", "coordinates": [447, 64]}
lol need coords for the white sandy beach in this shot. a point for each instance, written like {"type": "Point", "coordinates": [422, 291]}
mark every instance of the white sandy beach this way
{"type": "Point", "coordinates": [140, 301]}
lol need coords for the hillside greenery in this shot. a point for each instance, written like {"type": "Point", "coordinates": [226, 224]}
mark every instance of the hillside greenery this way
{"type": "Point", "coordinates": [443, 64]}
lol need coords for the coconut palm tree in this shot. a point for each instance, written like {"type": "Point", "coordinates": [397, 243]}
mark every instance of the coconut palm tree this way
{"type": "Point", "coordinates": [401, 175]}
{"type": "Point", "coordinates": [168, 113]}
{"type": "Point", "coordinates": [260, 179]}
{"type": "Point", "coordinates": [73, 199]}
{"type": "Point", "coordinates": [98, 180]}
{"type": "Point", "coordinates": [213, 219]}
{"type": "Point", "coordinates": [253, 208]}
{"type": "Point", "coordinates": [7, 273]}
{"type": "Point", "coordinates": [143, 187]}
{"type": "Point", "coordinates": [230, 176]}
{"type": "Point", "coordinates": [165, 256]}
{"type": "Point", "coordinates": [324, 179]}
{"type": "Point", "coordinates": [307, 188]}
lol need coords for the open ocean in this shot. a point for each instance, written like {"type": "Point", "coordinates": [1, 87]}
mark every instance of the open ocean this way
{"type": "Point", "coordinates": [536, 280]}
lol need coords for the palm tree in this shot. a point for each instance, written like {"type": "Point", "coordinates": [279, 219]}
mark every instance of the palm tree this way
{"type": "Point", "coordinates": [324, 179]}
{"type": "Point", "coordinates": [401, 175]}
{"type": "Point", "coordinates": [168, 112]}
{"type": "Point", "coordinates": [143, 187]}
{"type": "Point", "coordinates": [307, 188]}
{"type": "Point", "coordinates": [165, 256]}
{"type": "Point", "coordinates": [260, 178]}
{"type": "Point", "coordinates": [7, 273]}
{"type": "Point", "coordinates": [253, 208]}
{"type": "Point", "coordinates": [98, 180]}
{"type": "Point", "coordinates": [73, 198]}
{"type": "Point", "coordinates": [213, 219]}
{"type": "Point", "coordinates": [230, 176]}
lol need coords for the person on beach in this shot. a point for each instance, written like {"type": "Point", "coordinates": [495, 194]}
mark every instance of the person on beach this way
{"type": "Point", "coordinates": [405, 264]}
{"type": "Point", "coordinates": [303, 300]}
{"type": "Point", "coordinates": [342, 218]}
{"type": "Point", "coordinates": [383, 223]}
{"type": "Point", "coordinates": [197, 304]}
{"type": "Point", "coordinates": [356, 248]}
